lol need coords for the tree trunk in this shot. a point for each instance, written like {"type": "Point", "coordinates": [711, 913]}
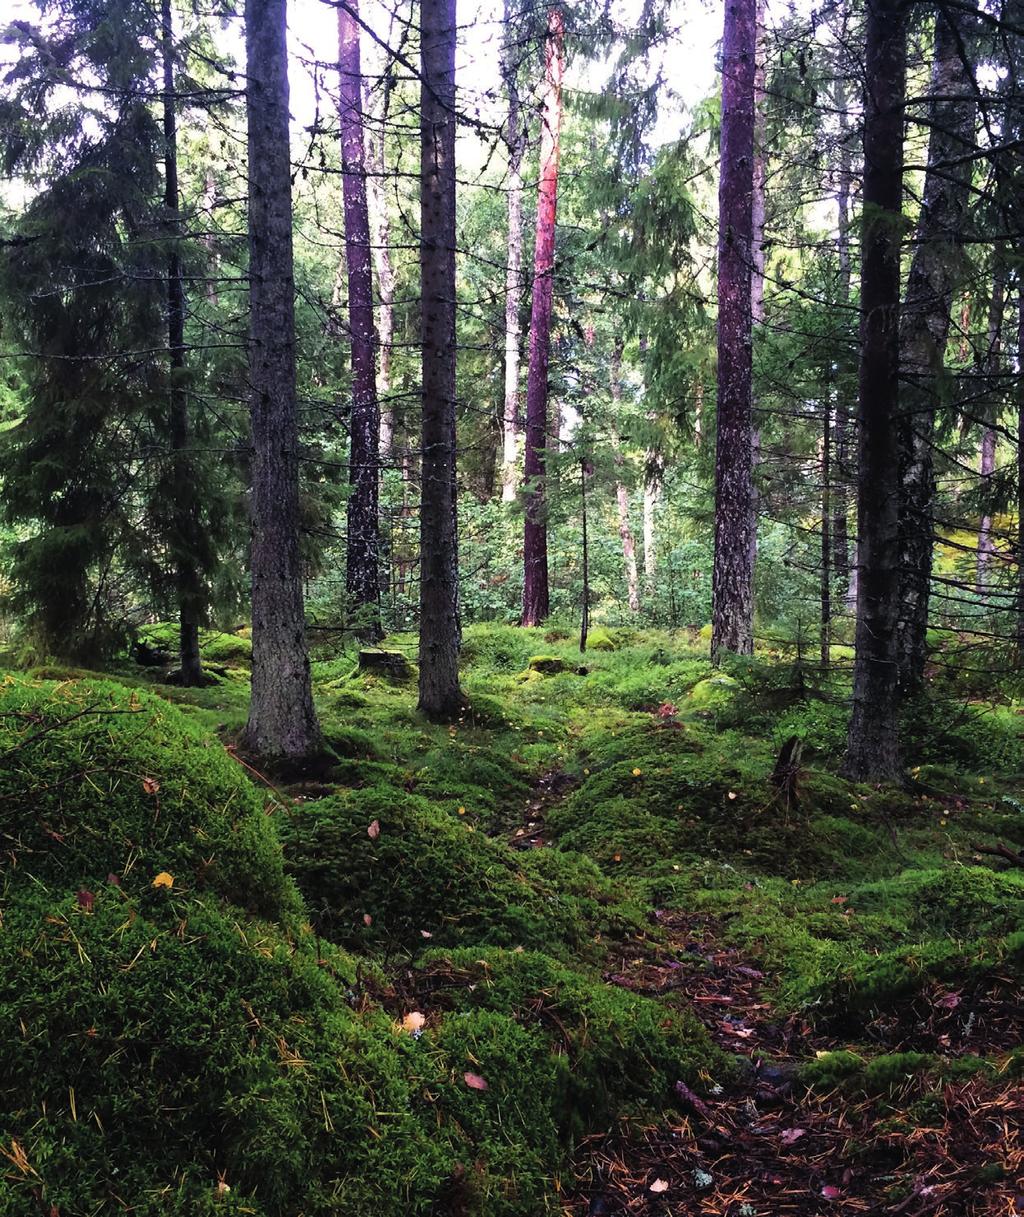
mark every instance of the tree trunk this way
{"type": "Point", "coordinates": [873, 750]}
{"type": "Point", "coordinates": [535, 533]}
{"type": "Point", "coordinates": [362, 574]}
{"type": "Point", "coordinates": [934, 271]}
{"type": "Point", "coordinates": [735, 518]}
{"type": "Point", "coordinates": [993, 363]}
{"type": "Point", "coordinates": [1020, 478]}
{"type": "Point", "coordinates": [621, 490]}
{"type": "Point", "coordinates": [842, 474]}
{"type": "Point", "coordinates": [826, 522]}
{"type": "Point", "coordinates": [282, 725]}
{"type": "Point", "coordinates": [757, 259]}
{"type": "Point", "coordinates": [439, 694]}
{"type": "Point", "coordinates": [185, 527]}
{"type": "Point", "coordinates": [653, 478]}
{"type": "Point", "coordinates": [515, 139]}
{"type": "Point", "coordinates": [380, 227]}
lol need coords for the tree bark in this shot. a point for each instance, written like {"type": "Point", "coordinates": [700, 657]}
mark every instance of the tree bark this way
{"type": "Point", "coordinates": [1020, 478]}
{"type": "Point", "coordinates": [826, 522]}
{"type": "Point", "coordinates": [654, 473]}
{"type": "Point", "coordinates": [185, 526]}
{"type": "Point", "coordinates": [842, 477]}
{"type": "Point", "coordinates": [934, 270]}
{"type": "Point", "coordinates": [362, 574]}
{"type": "Point", "coordinates": [515, 140]}
{"type": "Point", "coordinates": [873, 749]}
{"type": "Point", "coordinates": [439, 694]}
{"type": "Point", "coordinates": [535, 534]}
{"type": "Point", "coordinates": [757, 251]}
{"type": "Point", "coordinates": [282, 725]}
{"type": "Point", "coordinates": [993, 363]}
{"type": "Point", "coordinates": [735, 516]}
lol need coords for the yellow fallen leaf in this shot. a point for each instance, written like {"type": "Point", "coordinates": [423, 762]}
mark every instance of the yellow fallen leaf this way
{"type": "Point", "coordinates": [637, 772]}
{"type": "Point", "coordinates": [164, 880]}
{"type": "Point", "coordinates": [413, 1022]}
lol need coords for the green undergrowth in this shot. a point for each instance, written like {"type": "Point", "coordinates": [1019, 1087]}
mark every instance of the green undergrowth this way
{"type": "Point", "coordinates": [382, 869]}
{"type": "Point", "coordinates": [205, 978]}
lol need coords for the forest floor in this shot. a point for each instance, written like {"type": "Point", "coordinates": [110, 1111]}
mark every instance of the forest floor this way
{"type": "Point", "coordinates": [655, 971]}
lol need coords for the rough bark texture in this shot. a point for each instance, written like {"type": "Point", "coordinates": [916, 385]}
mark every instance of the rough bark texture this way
{"type": "Point", "coordinates": [186, 515]}
{"type": "Point", "coordinates": [362, 573]}
{"type": "Point", "coordinates": [282, 724]}
{"type": "Point", "coordinates": [515, 140]}
{"type": "Point", "coordinates": [757, 259]}
{"type": "Point", "coordinates": [1020, 478]}
{"type": "Point", "coordinates": [439, 693]}
{"type": "Point", "coordinates": [993, 364]}
{"type": "Point", "coordinates": [844, 438]}
{"type": "Point", "coordinates": [535, 533]}
{"type": "Point", "coordinates": [934, 270]}
{"type": "Point", "coordinates": [873, 751]}
{"type": "Point", "coordinates": [826, 522]}
{"type": "Point", "coordinates": [654, 475]}
{"type": "Point", "coordinates": [735, 517]}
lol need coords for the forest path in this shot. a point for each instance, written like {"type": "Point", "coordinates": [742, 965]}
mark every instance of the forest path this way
{"type": "Point", "coordinates": [762, 1145]}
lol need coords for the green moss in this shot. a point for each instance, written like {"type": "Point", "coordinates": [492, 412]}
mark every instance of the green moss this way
{"type": "Point", "coordinates": [714, 693]}
{"type": "Point", "coordinates": [97, 779]}
{"type": "Point", "coordinates": [547, 665]}
{"type": "Point", "coordinates": [216, 646]}
{"type": "Point", "coordinates": [599, 639]}
{"type": "Point", "coordinates": [428, 877]}
{"type": "Point", "coordinates": [619, 1047]}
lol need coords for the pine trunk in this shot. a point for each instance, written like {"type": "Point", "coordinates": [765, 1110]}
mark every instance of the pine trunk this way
{"type": "Point", "coordinates": [842, 473]}
{"type": "Point", "coordinates": [924, 333]}
{"type": "Point", "coordinates": [186, 517]}
{"type": "Point", "coordinates": [439, 694]}
{"type": "Point", "coordinates": [515, 139]}
{"type": "Point", "coordinates": [282, 725]}
{"type": "Point", "coordinates": [873, 750]}
{"type": "Point", "coordinates": [535, 534]}
{"type": "Point", "coordinates": [1020, 479]}
{"type": "Point", "coordinates": [362, 575]}
{"type": "Point", "coordinates": [735, 517]}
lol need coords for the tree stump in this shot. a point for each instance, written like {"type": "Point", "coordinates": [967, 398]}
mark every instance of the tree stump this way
{"type": "Point", "coordinates": [392, 665]}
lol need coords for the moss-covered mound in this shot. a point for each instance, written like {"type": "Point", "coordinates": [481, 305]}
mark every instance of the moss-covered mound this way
{"type": "Point", "coordinates": [189, 1047]}
{"type": "Point", "coordinates": [381, 868]}
{"type": "Point", "coordinates": [99, 783]}
{"type": "Point", "coordinates": [216, 646]}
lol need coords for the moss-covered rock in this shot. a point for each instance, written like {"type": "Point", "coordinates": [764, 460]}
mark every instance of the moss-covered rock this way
{"type": "Point", "coordinates": [600, 639]}
{"type": "Point", "coordinates": [714, 693]}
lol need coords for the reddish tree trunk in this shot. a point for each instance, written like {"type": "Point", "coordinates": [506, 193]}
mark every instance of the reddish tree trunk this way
{"type": "Point", "coordinates": [439, 693]}
{"type": "Point", "coordinates": [535, 534]}
{"type": "Point", "coordinates": [282, 723]}
{"type": "Point", "coordinates": [735, 518]}
{"type": "Point", "coordinates": [873, 751]}
{"type": "Point", "coordinates": [362, 575]}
